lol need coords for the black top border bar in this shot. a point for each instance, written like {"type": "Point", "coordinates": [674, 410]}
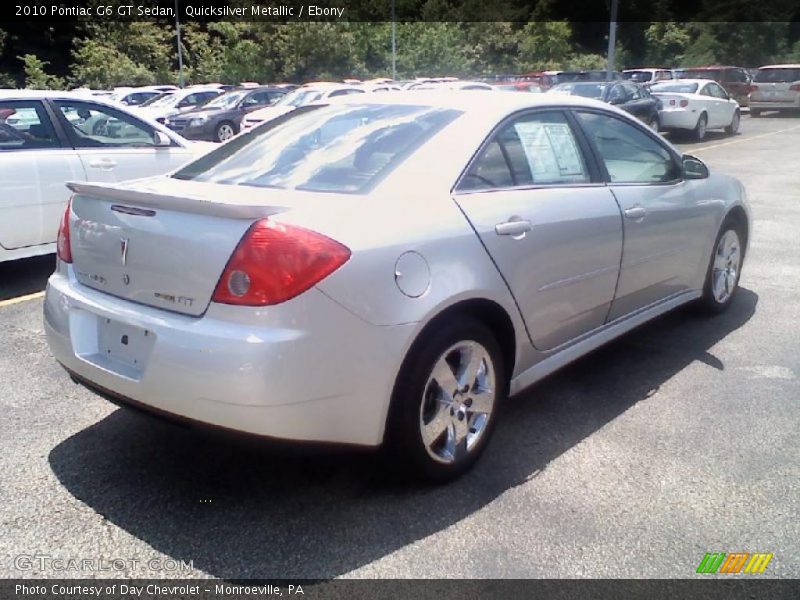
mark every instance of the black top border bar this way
{"type": "Point", "coordinates": [283, 11]}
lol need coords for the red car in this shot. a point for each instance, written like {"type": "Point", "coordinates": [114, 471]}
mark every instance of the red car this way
{"type": "Point", "coordinates": [735, 80]}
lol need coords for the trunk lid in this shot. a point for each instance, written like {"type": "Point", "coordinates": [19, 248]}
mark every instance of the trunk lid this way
{"type": "Point", "coordinates": [162, 242]}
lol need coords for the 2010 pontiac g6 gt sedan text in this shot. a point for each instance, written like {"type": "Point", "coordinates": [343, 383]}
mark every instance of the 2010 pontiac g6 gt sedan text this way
{"type": "Point", "coordinates": [386, 270]}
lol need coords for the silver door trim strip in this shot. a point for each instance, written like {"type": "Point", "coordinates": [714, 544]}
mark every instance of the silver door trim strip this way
{"type": "Point", "coordinates": [594, 340]}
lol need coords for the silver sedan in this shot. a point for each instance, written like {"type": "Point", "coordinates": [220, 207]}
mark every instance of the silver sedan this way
{"type": "Point", "coordinates": [387, 270]}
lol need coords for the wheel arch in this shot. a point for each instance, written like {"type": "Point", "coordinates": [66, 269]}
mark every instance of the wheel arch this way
{"type": "Point", "coordinates": [484, 310]}
{"type": "Point", "coordinates": [737, 215]}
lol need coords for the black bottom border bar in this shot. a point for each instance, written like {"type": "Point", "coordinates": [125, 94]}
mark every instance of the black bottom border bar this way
{"type": "Point", "coordinates": [712, 588]}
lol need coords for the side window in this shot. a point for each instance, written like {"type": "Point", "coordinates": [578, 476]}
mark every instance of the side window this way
{"type": "Point", "coordinates": [629, 154]}
{"type": "Point", "coordinates": [96, 126]}
{"type": "Point", "coordinates": [24, 125]}
{"type": "Point", "coordinates": [536, 149]}
{"type": "Point", "coordinates": [632, 92]}
{"type": "Point", "coordinates": [707, 91]}
{"type": "Point", "coordinates": [344, 93]}
{"type": "Point", "coordinates": [204, 97]}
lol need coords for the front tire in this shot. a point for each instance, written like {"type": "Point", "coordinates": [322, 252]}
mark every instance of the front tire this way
{"type": "Point", "coordinates": [701, 128]}
{"type": "Point", "coordinates": [733, 128]}
{"type": "Point", "coordinates": [224, 131]}
{"type": "Point", "coordinates": [445, 401]}
{"type": "Point", "coordinates": [724, 268]}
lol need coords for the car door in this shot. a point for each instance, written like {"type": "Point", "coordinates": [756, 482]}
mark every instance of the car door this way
{"type": "Point", "coordinates": [636, 103]}
{"type": "Point", "coordinates": [665, 225]}
{"type": "Point", "coordinates": [35, 163]}
{"type": "Point", "coordinates": [114, 145]}
{"type": "Point", "coordinates": [550, 225]}
{"type": "Point", "coordinates": [724, 103]}
{"type": "Point", "coordinates": [714, 104]}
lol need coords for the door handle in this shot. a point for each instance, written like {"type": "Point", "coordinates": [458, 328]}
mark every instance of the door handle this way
{"type": "Point", "coordinates": [636, 212]}
{"type": "Point", "coordinates": [103, 163]}
{"type": "Point", "coordinates": [513, 227]}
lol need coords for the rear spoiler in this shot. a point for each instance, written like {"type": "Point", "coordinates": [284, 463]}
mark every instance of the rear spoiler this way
{"type": "Point", "coordinates": [199, 204]}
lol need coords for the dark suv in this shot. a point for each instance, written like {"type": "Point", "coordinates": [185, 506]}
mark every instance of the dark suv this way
{"type": "Point", "coordinates": [735, 80]}
{"type": "Point", "coordinates": [221, 118]}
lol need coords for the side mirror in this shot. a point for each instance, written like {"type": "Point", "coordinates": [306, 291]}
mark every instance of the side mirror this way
{"type": "Point", "coordinates": [161, 139]}
{"type": "Point", "coordinates": [694, 168]}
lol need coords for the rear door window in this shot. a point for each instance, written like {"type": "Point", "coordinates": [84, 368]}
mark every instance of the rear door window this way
{"type": "Point", "coordinates": [25, 125]}
{"type": "Point", "coordinates": [535, 149]}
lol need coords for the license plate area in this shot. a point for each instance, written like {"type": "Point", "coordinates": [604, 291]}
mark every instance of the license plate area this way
{"type": "Point", "coordinates": [111, 345]}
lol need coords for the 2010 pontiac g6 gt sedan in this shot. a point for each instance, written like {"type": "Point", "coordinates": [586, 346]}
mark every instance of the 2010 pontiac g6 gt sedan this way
{"type": "Point", "coordinates": [387, 270]}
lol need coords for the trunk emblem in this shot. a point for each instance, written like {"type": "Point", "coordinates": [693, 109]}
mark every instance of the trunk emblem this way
{"type": "Point", "coordinates": [126, 279]}
{"type": "Point", "coordinates": [123, 246]}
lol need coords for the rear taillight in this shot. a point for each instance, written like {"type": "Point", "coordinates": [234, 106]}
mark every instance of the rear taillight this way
{"type": "Point", "coordinates": [684, 103]}
{"type": "Point", "coordinates": [275, 262]}
{"type": "Point", "coordinates": [795, 87]}
{"type": "Point", "coordinates": [62, 244]}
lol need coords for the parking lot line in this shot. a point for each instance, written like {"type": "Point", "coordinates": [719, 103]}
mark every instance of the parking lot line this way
{"type": "Point", "coordinates": [746, 139]}
{"type": "Point", "coordinates": [19, 299]}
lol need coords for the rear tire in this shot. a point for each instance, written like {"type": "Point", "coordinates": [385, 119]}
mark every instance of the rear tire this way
{"type": "Point", "coordinates": [733, 128]}
{"type": "Point", "coordinates": [700, 130]}
{"type": "Point", "coordinates": [724, 268]}
{"type": "Point", "coordinates": [445, 401]}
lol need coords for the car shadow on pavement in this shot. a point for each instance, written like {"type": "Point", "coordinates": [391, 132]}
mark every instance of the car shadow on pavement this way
{"type": "Point", "coordinates": [25, 276]}
{"type": "Point", "coordinates": [242, 511]}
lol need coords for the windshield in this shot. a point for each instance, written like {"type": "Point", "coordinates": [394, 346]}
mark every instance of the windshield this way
{"type": "Point", "coordinates": [587, 90]}
{"type": "Point", "coordinates": [678, 88]}
{"type": "Point", "coordinates": [714, 74]}
{"type": "Point", "coordinates": [638, 76]}
{"type": "Point", "coordinates": [225, 101]}
{"type": "Point", "coordinates": [339, 148]}
{"type": "Point", "coordinates": [156, 98]}
{"type": "Point", "coordinates": [777, 75]}
{"type": "Point", "coordinates": [299, 98]}
{"type": "Point", "coordinates": [168, 99]}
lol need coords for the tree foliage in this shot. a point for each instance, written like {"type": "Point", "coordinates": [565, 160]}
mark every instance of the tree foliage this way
{"type": "Point", "coordinates": [36, 77]}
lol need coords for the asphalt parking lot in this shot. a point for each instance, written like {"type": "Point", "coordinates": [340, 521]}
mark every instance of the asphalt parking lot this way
{"type": "Point", "coordinates": [678, 439]}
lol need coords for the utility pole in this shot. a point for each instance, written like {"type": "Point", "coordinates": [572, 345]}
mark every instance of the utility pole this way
{"type": "Point", "coordinates": [394, 45]}
{"type": "Point", "coordinates": [612, 41]}
{"type": "Point", "coordinates": [180, 50]}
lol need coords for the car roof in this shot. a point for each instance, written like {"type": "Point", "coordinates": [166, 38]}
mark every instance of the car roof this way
{"type": "Point", "coordinates": [467, 101]}
{"type": "Point", "coordinates": [52, 94]}
{"type": "Point", "coordinates": [685, 80]}
{"type": "Point", "coordinates": [786, 66]}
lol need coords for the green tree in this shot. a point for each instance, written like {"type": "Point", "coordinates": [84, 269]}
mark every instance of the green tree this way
{"type": "Point", "coordinates": [100, 65]}
{"type": "Point", "coordinates": [36, 77]}
{"type": "Point", "coordinates": [586, 62]}
{"type": "Point", "coordinates": [666, 43]}
{"type": "Point", "coordinates": [544, 45]}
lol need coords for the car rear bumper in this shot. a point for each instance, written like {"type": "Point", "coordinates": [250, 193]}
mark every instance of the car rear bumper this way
{"type": "Point", "coordinates": [677, 119]}
{"type": "Point", "coordinates": [775, 104]}
{"type": "Point", "coordinates": [308, 372]}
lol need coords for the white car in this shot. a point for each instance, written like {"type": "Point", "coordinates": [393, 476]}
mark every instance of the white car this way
{"type": "Point", "coordinates": [50, 138]}
{"type": "Point", "coordinates": [647, 76]}
{"type": "Point", "coordinates": [178, 101]}
{"type": "Point", "coordinates": [307, 94]}
{"type": "Point", "coordinates": [696, 105]}
{"type": "Point", "coordinates": [384, 269]}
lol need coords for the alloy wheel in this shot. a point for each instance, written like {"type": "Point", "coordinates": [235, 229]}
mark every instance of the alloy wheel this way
{"type": "Point", "coordinates": [225, 132]}
{"type": "Point", "coordinates": [458, 402]}
{"type": "Point", "coordinates": [725, 271]}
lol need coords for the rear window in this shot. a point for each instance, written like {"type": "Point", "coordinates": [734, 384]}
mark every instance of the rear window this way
{"type": "Point", "coordinates": [675, 88]}
{"type": "Point", "coordinates": [777, 75]}
{"type": "Point", "coordinates": [341, 148]}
